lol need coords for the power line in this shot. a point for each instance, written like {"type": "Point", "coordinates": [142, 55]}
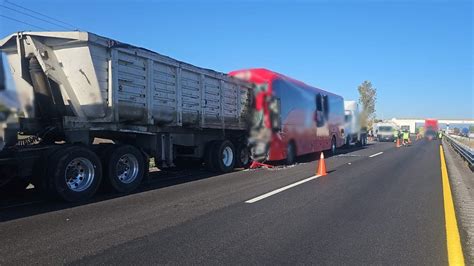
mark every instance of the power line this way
{"type": "Point", "coordinates": [13, 19]}
{"type": "Point", "coordinates": [41, 14]}
{"type": "Point", "coordinates": [35, 17]}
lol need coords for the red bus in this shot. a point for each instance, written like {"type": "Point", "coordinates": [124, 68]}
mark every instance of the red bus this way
{"type": "Point", "coordinates": [306, 119]}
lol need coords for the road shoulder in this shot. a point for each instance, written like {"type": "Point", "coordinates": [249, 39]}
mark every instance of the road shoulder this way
{"type": "Point", "coordinates": [462, 183]}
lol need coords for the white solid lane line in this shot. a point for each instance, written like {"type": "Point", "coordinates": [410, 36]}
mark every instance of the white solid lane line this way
{"type": "Point", "coordinates": [377, 154]}
{"type": "Point", "coordinates": [271, 193]}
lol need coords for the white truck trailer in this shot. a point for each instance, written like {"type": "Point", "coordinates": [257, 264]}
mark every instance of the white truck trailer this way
{"type": "Point", "coordinates": [386, 131]}
{"type": "Point", "coordinates": [84, 87]}
{"type": "Point", "coordinates": [354, 132]}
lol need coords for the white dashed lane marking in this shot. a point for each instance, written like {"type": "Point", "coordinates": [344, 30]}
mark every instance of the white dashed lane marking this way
{"type": "Point", "coordinates": [271, 193]}
{"type": "Point", "coordinates": [377, 154]}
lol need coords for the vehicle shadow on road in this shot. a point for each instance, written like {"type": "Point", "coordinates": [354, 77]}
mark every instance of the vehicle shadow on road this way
{"type": "Point", "coordinates": [31, 202]}
{"type": "Point", "coordinates": [327, 154]}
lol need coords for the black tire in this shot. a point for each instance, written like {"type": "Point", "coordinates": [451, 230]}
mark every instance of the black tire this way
{"type": "Point", "coordinates": [62, 166]}
{"type": "Point", "coordinates": [243, 159]}
{"type": "Point", "coordinates": [223, 156]}
{"type": "Point", "coordinates": [333, 146]}
{"type": "Point", "coordinates": [124, 169]}
{"type": "Point", "coordinates": [290, 153]}
{"type": "Point", "coordinates": [10, 183]}
{"type": "Point", "coordinates": [14, 187]}
{"type": "Point", "coordinates": [208, 156]}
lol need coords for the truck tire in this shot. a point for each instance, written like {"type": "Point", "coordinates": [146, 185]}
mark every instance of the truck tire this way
{"type": "Point", "coordinates": [208, 156]}
{"type": "Point", "coordinates": [10, 183]}
{"type": "Point", "coordinates": [290, 153]}
{"type": "Point", "coordinates": [124, 168]}
{"type": "Point", "coordinates": [347, 143]}
{"type": "Point", "coordinates": [243, 156]}
{"type": "Point", "coordinates": [14, 187]}
{"type": "Point", "coordinates": [73, 174]}
{"type": "Point", "coordinates": [223, 155]}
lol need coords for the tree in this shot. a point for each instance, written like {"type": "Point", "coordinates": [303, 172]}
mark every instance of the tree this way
{"type": "Point", "coordinates": [367, 98]}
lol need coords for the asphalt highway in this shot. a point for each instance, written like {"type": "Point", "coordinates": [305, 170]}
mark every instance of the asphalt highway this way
{"type": "Point", "coordinates": [377, 205]}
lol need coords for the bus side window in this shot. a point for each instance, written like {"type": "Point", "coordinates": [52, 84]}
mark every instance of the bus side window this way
{"type": "Point", "coordinates": [319, 114]}
{"type": "Point", "coordinates": [326, 107]}
{"type": "Point", "coordinates": [319, 102]}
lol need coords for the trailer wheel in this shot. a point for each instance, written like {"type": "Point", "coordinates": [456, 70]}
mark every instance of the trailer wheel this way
{"type": "Point", "coordinates": [13, 187]}
{"type": "Point", "coordinates": [124, 168]}
{"type": "Point", "coordinates": [74, 173]}
{"type": "Point", "coordinates": [243, 156]}
{"type": "Point", "coordinates": [223, 156]}
{"type": "Point", "coordinates": [208, 156]}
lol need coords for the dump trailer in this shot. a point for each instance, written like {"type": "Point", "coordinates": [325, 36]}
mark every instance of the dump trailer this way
{"type": "Point", "coordinates": [96, 110]}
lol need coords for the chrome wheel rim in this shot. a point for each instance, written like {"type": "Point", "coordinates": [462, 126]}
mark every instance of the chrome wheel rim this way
{"type": "Point", "coordinates": [227, 156]}
{"type": "Point", "coordinates": [79, 174]}
{"type": "Point", "coordinates": [127, 168]}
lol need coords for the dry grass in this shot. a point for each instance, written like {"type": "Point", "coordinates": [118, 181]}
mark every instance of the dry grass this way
{"type": "Point", "coordinates": [467, 141]}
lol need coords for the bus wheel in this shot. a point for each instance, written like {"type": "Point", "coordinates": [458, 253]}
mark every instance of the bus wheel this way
{"type": "Point", "coordinates": [224, 156]}
{"type": "Point", "coordinates": [74, 173]}
{"type": "Point", "coordinates": [290, 153]}
{"type": "Point", "coordinates": [124, 168]}
{"type": "Point", "coordinates": [243, 156]}
{"type": "Point", "coordinates": [333, 146]}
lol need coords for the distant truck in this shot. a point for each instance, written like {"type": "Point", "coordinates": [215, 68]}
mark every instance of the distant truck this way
{"type": "Point", "coordinates": [147, 105]}
{"type": "Point", "coordinates": [385, 132]}
{"type": "Point", "coordinates": [354, 132]}
{"type": "Point", "coordinates": [431, 129]}
{"type": "Point", "coordinates": [405, 128]}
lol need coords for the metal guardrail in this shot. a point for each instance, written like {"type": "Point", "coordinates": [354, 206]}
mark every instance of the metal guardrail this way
{"type": "Point", "coordinates": [465, 151]}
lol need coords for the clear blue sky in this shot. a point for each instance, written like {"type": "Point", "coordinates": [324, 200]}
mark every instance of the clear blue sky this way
{"type": "Point", "coordinates": [418, 54]}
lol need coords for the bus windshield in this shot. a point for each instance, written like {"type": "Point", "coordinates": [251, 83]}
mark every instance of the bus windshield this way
{"type": "Point", "coordinates": [385, 129]}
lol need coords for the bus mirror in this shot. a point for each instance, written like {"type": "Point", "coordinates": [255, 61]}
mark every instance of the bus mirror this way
{"type": "Point", "coordinates": [275, 110]}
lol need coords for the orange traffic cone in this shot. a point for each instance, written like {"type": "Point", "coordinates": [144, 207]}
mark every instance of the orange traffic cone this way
{"type": "Point", "coordinates": [321, 166]}
{"type": "Point", "coordinates": [398, 143]}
